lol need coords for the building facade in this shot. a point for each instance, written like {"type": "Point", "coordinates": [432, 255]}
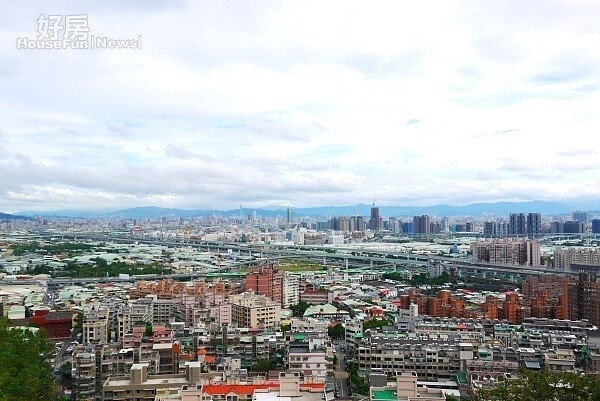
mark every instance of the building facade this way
{"type": "Point", "coordinates": [254, 310]}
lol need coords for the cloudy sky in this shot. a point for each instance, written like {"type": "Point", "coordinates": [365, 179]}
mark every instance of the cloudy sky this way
{"type": "Point", "coordinates": [302, 103]}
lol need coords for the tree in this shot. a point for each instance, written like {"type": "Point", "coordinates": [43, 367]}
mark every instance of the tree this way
{"type": "Point", "coordinates": [149, 330]}
{"type": "Point", "coordinates": [78, 320]}
{"type": "Point", "coordinates": [299, 308]}
{"type": "Point", "coordinates": [336, 332]}
{"type": "Point", "coordinates": [376, 324]}
{"type": "Point", "coordinates": [543, 386]}
{"type": "Point", "coordinates": [25, 373]}
{"type": "Point", "coordinates": [264, 365]}
{"type": "Point", "coordinates": [65, 370]}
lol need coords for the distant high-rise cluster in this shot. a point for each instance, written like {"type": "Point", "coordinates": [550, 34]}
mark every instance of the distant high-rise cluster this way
{"type": "Point", "coordinates": [346, 224]}
{"type": "Point", "coordinates": [525, 225]}
{"type": "Point", "coordinates": [580, 216]}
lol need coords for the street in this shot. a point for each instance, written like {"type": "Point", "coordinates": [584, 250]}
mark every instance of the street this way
{"type": "Point", "coordinates": [341, 376]}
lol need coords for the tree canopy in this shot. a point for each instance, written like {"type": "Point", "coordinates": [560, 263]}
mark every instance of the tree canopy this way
{"type": "Point", "coordinates": [544, 386]}
{"type": "Point", "coordinates": [376, 324]}
{"type": "Point", "coordinates": [336, 332]}
{"type": "Point", "coordinates": [299, 308]}
{"type": "Point", "coordinates": [25, 374]}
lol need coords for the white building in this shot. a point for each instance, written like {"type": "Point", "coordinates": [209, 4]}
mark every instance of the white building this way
{"type": "Point", "coordinates": [290, 290]}
{"type": "Point", "coordinates": [307, 358]}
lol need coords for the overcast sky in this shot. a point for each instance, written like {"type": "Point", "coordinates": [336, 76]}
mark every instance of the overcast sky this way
{"type": "Point", "coordinates": [302, 103]}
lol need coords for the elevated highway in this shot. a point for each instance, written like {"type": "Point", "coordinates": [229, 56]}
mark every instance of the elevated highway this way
{"type": "Point", "coordinates": [344, 258]}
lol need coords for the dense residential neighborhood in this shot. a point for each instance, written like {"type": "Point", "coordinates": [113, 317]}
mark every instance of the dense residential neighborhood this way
{"type": "Point", "coordinates": [215, 308]}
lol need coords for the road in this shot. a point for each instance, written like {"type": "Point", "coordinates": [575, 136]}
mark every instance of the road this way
{"type": "Point", "coordinates": [341, 376]}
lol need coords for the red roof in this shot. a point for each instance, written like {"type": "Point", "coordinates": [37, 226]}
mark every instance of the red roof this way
{"type": "Point", "coordinates": [241, 389]}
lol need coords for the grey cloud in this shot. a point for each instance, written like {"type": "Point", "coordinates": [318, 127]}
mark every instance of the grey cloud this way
{"type": "Point", "coordinates": [179, 152]}
{"type": "Point", "coordinates": [590, 88]}
{"type": "Point", "coordinates": [496, 133]}
{"type": "Point", "coordinates": [379, 65]}
{"type": "Point", "coordinates": [577, 152]}
{"type": "Point", "coordinates": [555, 77]}
{"type": "Point", "coordinates": [279, 131]}
{"type": "Point", "coordinates": [121, 130]}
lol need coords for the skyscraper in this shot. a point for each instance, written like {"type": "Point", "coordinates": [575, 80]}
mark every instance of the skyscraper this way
{"type": "Point", "coordinates": [534, 225]}
{"type": "Point", "coordinates": [374, 222]}
{"type": "Point", "coordinates": [518, 224]}
{"type": "Point", "coordinates": [421, 225]}
{"type": "Point", "coordinates": [578, 215]}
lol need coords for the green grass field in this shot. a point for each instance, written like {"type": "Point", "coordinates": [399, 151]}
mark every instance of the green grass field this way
{"type": "Point", "coordinates": [292, 265]}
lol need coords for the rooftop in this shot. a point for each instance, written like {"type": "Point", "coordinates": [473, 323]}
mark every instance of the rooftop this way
{"type": "Point", "coordinates": [383, 395]}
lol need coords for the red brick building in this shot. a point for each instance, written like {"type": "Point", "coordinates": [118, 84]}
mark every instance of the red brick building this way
{"type": "Point", "coordinates": [266, 280]}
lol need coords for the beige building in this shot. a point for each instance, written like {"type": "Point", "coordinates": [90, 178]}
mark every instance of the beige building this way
{"type": "Point", "coordinates": [563, 258]}
{"type": "Point", "coordinates": [95, 324]}
{"type": "Point", "coordinates": [139, 386]}
{"type": "Point", "coordinates": [513, 251]}
{"type": "Point", "coordinates": [406, 390]}
{"type": "Point", "coordinates": [253, 310]}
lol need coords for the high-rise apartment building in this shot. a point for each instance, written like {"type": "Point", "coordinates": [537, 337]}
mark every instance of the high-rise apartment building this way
{"type": "Point", "coordinates": [290, 291]}
{"type": "Point", "coordinates": [445, 225]}
{"type": "Point", "coordinates": [584, 299]}
{"type": "Point", "coordinates": [548, 295]}
{"type": "Point", "coordinates": [534, 225]}
{"type": "Point", "coordinates": [421, 225]}
{"type": "Point", "coordinates": [266, 280]}
{"type": "Point", "coordinates": [568, 227]}
{"type": "Point", "coordinates": [596, 226]}
{"type": "Point", "coordinates": [581, 216]}
{"type": "Point", "coordinates": [375, 221]}
{"type": "Point", "coordinates": [507, 251]}
{"type": "Point", "coordinates": [489, 229]}
{"type": "Point", "coordinates": [358, 222]}
{"type": "Point", "coordinates": [564, 258]}
{"type": "Point", "coordinates": [517, 224]}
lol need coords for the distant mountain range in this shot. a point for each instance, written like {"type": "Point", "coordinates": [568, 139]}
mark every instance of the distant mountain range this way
{"type": "Point", "coordinates": [475, 209]}
{"type": "Point", "coordinates": [6, 216]}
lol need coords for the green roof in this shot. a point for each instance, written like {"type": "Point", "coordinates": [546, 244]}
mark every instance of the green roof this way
{"type": "Point", "coordinates": [383, 395]}
{"type": "Point", "coordinates": [462, 377]}
{"type": "Point", "coordinates": [299, 337]}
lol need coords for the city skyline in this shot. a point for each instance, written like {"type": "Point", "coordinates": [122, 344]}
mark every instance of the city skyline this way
{"type": "Point", "coordinates": [309, 104]}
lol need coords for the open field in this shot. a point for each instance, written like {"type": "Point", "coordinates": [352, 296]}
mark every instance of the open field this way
{"type": "Point", "coordinates": [292, 265]}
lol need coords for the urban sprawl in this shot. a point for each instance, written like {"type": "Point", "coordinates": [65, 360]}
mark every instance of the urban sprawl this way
{"type": "Point", "coordinates": [252, 308]}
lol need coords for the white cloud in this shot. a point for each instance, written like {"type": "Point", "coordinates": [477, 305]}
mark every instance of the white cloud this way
{"type": "Point", "coordinates": [307, 103]}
